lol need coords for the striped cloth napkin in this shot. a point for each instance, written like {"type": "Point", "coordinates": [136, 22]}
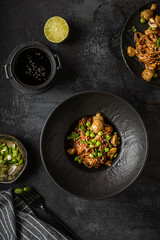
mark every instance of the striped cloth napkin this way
{"type": "Point", "coordinates": [17, 221]}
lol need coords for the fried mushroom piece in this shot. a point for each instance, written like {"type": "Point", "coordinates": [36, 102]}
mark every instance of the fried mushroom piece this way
{"type": "Point", "coordinates": [153, 7]}
{"type": "Point", "coordinates": [157, 20]}
{"type": "Point", "coordinates": [71, 151]}
{"type": "Point", "coordinates": [131, 51]}
{"type": "Point", "coordinates": [97, 126]}
{"type": "Point", "coordinates": [152, 23]}
{"type": "Point", "coordinates": [98, 116]}
{"type": "Point", "coordinates": [147, 14]}
{"type": "Point", "coordinates": [112, 152]}
{"type": "Point", "coordinates": [114, 140]}
{"type": "Point", "coordinates": [147, 74]}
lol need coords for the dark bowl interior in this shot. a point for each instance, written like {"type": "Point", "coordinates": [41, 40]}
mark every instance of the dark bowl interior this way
{"type": "Point", "coordinates": [29, 59]}
{"type": "Point", "coordinates": [104, 181]}
{"type": "Point", "coordinates": [127, 39]}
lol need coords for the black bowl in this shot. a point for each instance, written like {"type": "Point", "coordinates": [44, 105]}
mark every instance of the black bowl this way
{"type": "Point", "coordinates": [104, 181]}
{"type": "Point", "coordinates": [127, 39]}
{"type": "Point", "coordinates": [15, 68]}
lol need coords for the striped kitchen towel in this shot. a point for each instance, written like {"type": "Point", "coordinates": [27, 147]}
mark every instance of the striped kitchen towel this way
{"type": "Point", "coordinates": [17, 221]}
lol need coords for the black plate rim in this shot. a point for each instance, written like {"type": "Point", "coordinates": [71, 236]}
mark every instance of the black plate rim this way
{"type": "Point", "coordinates": [122, 50]}
{"type": "Point", "coordinates": [145, 157]}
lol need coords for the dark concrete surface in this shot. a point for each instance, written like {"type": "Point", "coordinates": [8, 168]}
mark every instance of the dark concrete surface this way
{"type": "Point", "coordinates": [91, 59]}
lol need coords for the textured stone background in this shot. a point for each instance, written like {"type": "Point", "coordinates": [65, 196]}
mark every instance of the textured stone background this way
{"type": "Point", "coordinates": [91, 59]}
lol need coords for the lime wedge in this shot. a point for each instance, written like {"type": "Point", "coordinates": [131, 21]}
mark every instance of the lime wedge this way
{"type": "Point", "coordinates": [56, 29]}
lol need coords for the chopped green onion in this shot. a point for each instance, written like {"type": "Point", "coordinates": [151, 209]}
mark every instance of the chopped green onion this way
{"type": "Point", "coordinates": [27, 188]}
{"type": "Point", "coordinates": [149, 28]}
{"type": "Point", "coordinates": [115, 133]}
{"type": "Point", "coordinates": [154, 28]}
{"type": "Point", "coordinates": [18, 190]}
{"type": "Point", "coordinates": [115, 155]}
{"type": "Point", "coordinates": [135, 30]}
{"type": "Point", "coordinates": [73, 136]}
{"type": "Point", "coordinates": [81, 128]}
{"type": "Point", "coordinates": [158, 42]}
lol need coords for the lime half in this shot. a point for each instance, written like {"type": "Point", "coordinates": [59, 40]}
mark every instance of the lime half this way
{"type": "Point", "coordinates": [56, 29]}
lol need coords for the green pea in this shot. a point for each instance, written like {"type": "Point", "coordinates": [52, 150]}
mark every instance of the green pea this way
{"type": "Point", "coordinates": [155, 75]}
{"type": "Point", "coordinates": [115, 133]}
{"type": "Point", "coordinates": [98, 143]}
{"type": "Point", "coordinates": [76, 158]}
{"type": "Point", "coordinates": [27, 188]}
{"type": "Point", "coordinates": [87, 133]}
{"type": "Point", "coordinates": [108, 137]}
{"type": "Point", "coordinates": [106, 150]}
{"type": "Point", "coordinates": [91, 145]}
{"type": "Point", "coordinates": [100, 133]}
{"type": "Point", "coordinates": [92, 135]}
{"type": "Point", "coordinates": [100, 154]}
{"type": "Point", "coordinates": [91, 155]}
{"type": "Point", "coordinates": [110, 146]}
{"type": "Point", "coordinates": [142, 20]}
{"type": "Point", "coordinates": [115, 155]}
{"type": "Point", "coordinates": [88, 124]}
{"type": "Point", "coordinates": [18, 190]}
{"type": "Point", "coordinates": [94, 141]}
{"type": "Point", "coordinates": [79, 160]}
{"type": "Point", "coordinates": [118, 143]}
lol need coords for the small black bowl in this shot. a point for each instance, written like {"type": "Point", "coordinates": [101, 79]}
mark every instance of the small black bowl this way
{"type": "Point", "coordinates": [127, 39]}
{"type": "Point", "coordinates": [104, 181]}
{"type": "Point", "coordinates": [21, 63]}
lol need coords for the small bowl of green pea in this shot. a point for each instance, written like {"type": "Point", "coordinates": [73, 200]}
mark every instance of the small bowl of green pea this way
{"type": "Point", "coordinates": [13, 158]}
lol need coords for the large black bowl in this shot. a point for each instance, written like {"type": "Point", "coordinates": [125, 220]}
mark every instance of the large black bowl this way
{"type": "Point", "coordinates": [78, 179]}
{"type": "Point", "coordinates": [127, 39]}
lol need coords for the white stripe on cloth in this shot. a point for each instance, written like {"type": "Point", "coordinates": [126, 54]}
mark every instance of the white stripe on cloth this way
{"type": "Point", "coordinates": [9, 219]}
{"type": "Point", "coordinates": [8, 202]}
{"type": "Point", "coordinates": [4, 229]}
{"type": "Point", "coordinates": [32, 225]}
{"type": "Point", "coordinates": [58, 232]}
{"type": "Point", "coordinates": [24, 208]}
{"type": "Point", "coordinates": [27, 229]}
{"type": "Point", "coordinates": [2, 235]}
{"type": "Point", "coordinates": [23, 235]}
{"type": "Point", "coordinates": [19, 204]}
{"type": "Point", "coordinates": [6, 223]}
{"type": "Point", "coordinates": [43, 227]}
